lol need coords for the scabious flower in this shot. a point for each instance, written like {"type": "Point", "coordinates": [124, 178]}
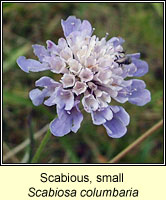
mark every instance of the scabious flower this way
{"type": "Point", "coordinates": [93, 73]}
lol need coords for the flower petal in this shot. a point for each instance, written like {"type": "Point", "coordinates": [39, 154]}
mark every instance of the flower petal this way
{"type": "Point", "coordinates": [134, 55]}
{"type": "Point", "coordinates": [90, 103]}
{"type": "Point", "coordinates": [86, 27]}
{"type": "Point", "coordinates": [68, 80]}
{"type": "Point", "coordinates": [66, 54]}
{"type": "Point", "coordinates": [140, 98]}
{"type": "Point", "coordinates": [100, 117]}
{"type": "Point", "coordinates": [116, 41]}
{"type": "Point", "coordinates": [63, 99]}
{"type": "Point", "coordinates": [142, 67]}
{"type": "Point", "coordinates": [57, 65]}
{"type": "Point", "coordinates": [122, 115]}
{"type": "Point", "coordinates": [77, 119]}
{"type": "Point", "coordinates": [31, 65]}
{"type": "Point", "coordinates": [139, 95]}
{"type": "Point", "coordinates": [67, 121]}
{"type": "Point", "coordinates": [46, 81]}
{"type": "Point", "coordinates": [121, 98]}
{"type": "Point", "coordinates": [115, 128]}
{"type": "Point", "coordinates": [75, 66]}
{"type": "Point", "coordinates": [62, 126]}
{"type": "Point", "coordinates": [86, 75]}
{"type": "Point", "coordinates": [70, 25]}
{"type": "Point", "coordinates": [40, 51]}
{"type": "Point", "coordinates": [79, 88]}
{"type": "Point", "coordinates": [37, 96]}
{"type": "Point", "coordinates": [52, 47]}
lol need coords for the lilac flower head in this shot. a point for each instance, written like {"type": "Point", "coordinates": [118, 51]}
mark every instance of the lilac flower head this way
{"type": "Point", "coordinates": [93, 73]}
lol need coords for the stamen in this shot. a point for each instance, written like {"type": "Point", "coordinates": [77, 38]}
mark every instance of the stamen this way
{"type": "Point", "coordinates": [72, 23]}
{"type": "Point", "coordinates": [106, 35]}
{"type": "Point", "coordinates": [68, 112]}
{"type": "Point", "coordinates": [93, 29]}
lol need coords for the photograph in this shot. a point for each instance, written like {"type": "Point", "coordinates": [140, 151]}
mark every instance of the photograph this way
{"type": "Point", "coordinates": [83, 83]}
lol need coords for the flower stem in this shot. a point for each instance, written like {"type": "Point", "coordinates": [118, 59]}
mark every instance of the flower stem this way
{"type": "Point", "coordinates": [136, 142]}
{"type": "Point", "coordinates": [41, 147]}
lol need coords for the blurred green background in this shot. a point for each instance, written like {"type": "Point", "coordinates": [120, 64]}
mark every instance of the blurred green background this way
{"type": "Point", "coordinates": [24, 24]}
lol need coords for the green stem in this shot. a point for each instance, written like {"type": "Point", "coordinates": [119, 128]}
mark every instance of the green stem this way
{"type": "Point", "coordinates": [41, 147]}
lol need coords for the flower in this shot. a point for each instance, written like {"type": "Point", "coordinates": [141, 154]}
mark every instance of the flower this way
{"type": "Point", "coordinates": [93, 72]}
